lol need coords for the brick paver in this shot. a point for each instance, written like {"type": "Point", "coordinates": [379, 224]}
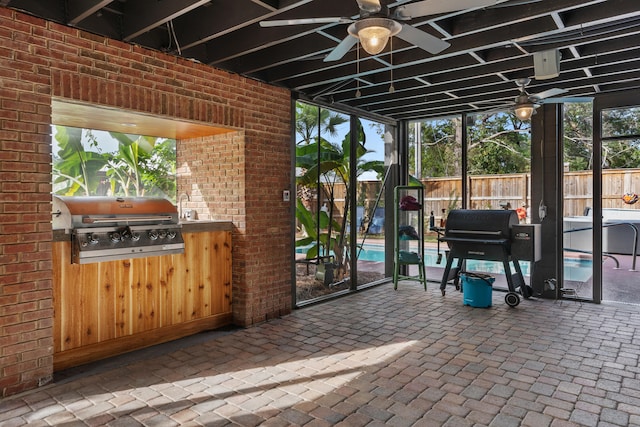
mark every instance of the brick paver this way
{"type": "Point", "coordinates": [378, 357]}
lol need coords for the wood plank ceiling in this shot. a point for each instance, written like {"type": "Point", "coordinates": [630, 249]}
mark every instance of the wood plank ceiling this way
{"type": "Point", "coordinates": [491, 47]}
{"type": "Point", "coordinates": [79, 115]}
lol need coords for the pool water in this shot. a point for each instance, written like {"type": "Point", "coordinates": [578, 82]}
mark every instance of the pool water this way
{"type": "Point", "coordinates": [577, 269]}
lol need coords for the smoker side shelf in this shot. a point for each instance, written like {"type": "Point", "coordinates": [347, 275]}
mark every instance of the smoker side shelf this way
{"type": "Point", "coordinates": [409, 235]}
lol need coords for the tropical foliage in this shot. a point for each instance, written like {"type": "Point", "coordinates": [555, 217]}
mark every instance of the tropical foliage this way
{"type": "Point", "coordinates": [322, 165]}
{"type": "Point", "coordinates": [497, 143]}
{"type": "Point", "coordinates": [135, 166]}
{"type": "Point", "coordinates": [578, 136]}
{"type": "Point", "coordinates": [621, 132]}
{"type": "Point", "coordinates": [311, 120]}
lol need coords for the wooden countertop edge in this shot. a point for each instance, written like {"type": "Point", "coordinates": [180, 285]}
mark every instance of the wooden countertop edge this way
{"type": "Point", "coordinates": [200, 226]}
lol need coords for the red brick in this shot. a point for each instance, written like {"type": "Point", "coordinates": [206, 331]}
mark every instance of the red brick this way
{"type": "Point", "coordinates": [19, 328]}
{"type": "Point", "coordinates": [26, 247]}
{"type": "Point", "coordinates": [35, 296]}
{"type": "Point", "coordinates": [9, 382]}
{"type": "Point", "coordinates": [19, 368]}
{"type": "Point", "coordinates": [20, 308]}
{"type": "Point", "coordinates": [37, 315]}
{"type": "Point", "coordinates": [12, 286]}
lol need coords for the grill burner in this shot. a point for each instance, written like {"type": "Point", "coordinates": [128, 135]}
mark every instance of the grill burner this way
{"type": "Point", "coordinates": [484, 235]}
{"type": "Point", "coordinates": [109, 228]}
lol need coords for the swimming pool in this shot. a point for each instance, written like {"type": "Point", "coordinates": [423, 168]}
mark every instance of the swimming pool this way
{"type": "Point", "coordinates": [577, 269]}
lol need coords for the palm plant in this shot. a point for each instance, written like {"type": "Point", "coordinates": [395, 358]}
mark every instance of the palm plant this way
{"type": "Point", "coordinates": [141, 166]}
{"type": "Point", "coordinates": [310, 120]}
{"type": "Point", "coordinates": [325, 165]}
{"type": "Point", "coordinates": [76, 170]}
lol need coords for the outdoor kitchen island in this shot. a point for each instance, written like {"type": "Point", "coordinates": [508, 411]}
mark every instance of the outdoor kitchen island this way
{"type": "Point", "coordinates": [107, 308]}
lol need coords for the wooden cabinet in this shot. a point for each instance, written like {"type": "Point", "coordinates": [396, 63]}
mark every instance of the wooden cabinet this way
{"type": "Point", "coordinates": [112, 307]}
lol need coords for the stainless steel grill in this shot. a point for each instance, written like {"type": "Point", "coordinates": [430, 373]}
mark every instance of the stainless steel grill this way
{"type": "Point", "coordinates": [113, 228]}
{"type": "Point", "coordinates": [487, 235]}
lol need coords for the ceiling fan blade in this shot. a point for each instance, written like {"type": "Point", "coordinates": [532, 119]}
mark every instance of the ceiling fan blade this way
{"type": "Point", "coordinates": [493, 101]}
{"type": "Point", "coordinates": [341, 50]}
{"type": "Point", "coordinates": [422, 40]}
{"type": "Point", "coordinates": [547, 94]}
{"type": "Point", "coordinates": [371, 6]}
{"type": "Point", "coordinates": [434, 7]}
{"type": "Point", "coordinates": [498, 109]}
{"type": "Point", "coordinates": [303, 21]}
{"type": "Point", "coordinates": [514, 3]}
{"type": "Point", "coordinates": [567, 99]}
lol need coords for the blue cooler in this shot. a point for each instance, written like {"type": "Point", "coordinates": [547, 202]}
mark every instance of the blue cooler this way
{"type": "Point", "coordinates": [477, 289]}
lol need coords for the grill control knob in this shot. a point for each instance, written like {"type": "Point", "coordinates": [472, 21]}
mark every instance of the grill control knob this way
{"type": "Point", "coordinates": [114, 237]}
{"type": "Point", "coordinates": [153, 235]}
{"type": "Point", "coordinates": [92, 239]}
{"type": "Point", "coordinates": [162, 234]}
{"type": "Point", "coordinates": [135, 237]}
{"type": "Point", "coordinates": [126, 233]}
{"type": "Point", "coordinates": [171, 235]}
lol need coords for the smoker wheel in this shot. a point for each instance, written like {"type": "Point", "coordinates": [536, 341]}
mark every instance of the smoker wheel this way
{"type": "Point", "coordinates": [512, 299]}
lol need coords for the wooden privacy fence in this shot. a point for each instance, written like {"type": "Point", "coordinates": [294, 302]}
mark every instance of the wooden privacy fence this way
{"type": "Point", "coordinates": [514, 190]}
{"type": "Point", "coordinates": [485, 192]}
{"type": "Point", "coordinates": [578, 186]}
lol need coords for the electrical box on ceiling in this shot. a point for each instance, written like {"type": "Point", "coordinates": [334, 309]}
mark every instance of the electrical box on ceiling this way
{"type": "Point", "coordinates": [546, 64]}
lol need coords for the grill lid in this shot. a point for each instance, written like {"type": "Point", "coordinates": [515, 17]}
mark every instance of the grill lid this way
{"type": "Point", "coordinates": [473, 224]}
{"type": "Point", "coordinates": [71, 213]}
{"type": "Point", "coordinates": [480, 234]}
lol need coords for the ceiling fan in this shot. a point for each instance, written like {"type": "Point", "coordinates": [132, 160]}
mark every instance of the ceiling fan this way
{"type": "Point", "coordinates": [375, 24]}
{"type": "Point", "coordinates": [525, 104]}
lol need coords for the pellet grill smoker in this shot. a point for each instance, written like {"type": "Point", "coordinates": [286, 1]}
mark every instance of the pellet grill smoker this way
{"type": "Point", "coordinates": [114, 228]}
{"type": "Point", "coordinates": [491, 235]}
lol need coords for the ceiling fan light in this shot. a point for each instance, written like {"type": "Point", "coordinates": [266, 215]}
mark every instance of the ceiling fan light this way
{"type": "Point", "coordinates": [525, 111]}
{"type": "Point", "coordinates": [374, 33]}
{"type": "Point", "coordinates": [374, 39]}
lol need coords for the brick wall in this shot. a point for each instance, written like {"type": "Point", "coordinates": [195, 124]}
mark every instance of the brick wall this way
{"type": "Point", "coordinates": [238, 177]}
{"type": "Point", "coordinates": [241, 177]}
